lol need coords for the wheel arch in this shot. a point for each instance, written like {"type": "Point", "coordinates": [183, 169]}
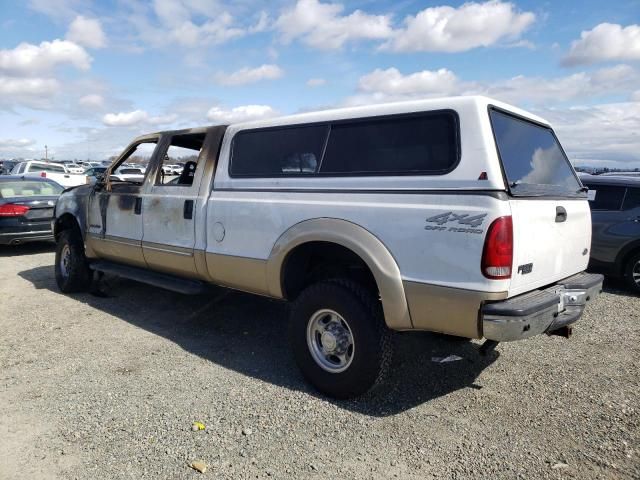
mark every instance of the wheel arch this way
{"type": "Point", "coordinates": [66, 221]}
{"type": "Point", "coordinates": [625, 253]}
{"type": "Point", "coordinates": [365, 245]}
{"type": "Point", "coordinates": [71, 210]}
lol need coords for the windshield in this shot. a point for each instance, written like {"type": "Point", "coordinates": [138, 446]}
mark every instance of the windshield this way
{"type": "Point", "coordinates": [29, 189]}
{"type": "Point", "coordinates": [533, 160]}
{"type": "Point", "coordinates": [44, 167]}
{"type": "Point", "coordinates": [130, 171]}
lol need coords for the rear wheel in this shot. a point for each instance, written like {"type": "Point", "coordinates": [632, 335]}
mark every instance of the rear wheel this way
{"type": "Point", "coordinates": [71, 267]}
{"type": "Point", "coordinates": [632, 273]}
{"type": "Point", "coordinates": [339, 338]}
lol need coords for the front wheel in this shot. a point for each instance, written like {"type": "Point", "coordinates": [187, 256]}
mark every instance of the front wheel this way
{"type": "Point", "coordinates": [71, 267]}
{"type": "Point", "coordinates": [632, 273]}
{"type": "Point", "coordinates": [339, 338]}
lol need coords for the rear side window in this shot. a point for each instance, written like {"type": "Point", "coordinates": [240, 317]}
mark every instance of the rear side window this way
{"type": "Point", "coordinates": [29, 189]}
{"type": "Point", "coordinates": [425, 144]}
{"type": "Point", "coordinates": [606, 197]}
{"type": "Point", "coordinates": [532, 158]}
{"type": "Point", "coordinates": [632, 199]}
{"type": "Point", "coordinates": [43, 167]}
{"type": "Point", "coordinates": [416, 144]}
{"type": "Point", "coordinates": [278, 152]}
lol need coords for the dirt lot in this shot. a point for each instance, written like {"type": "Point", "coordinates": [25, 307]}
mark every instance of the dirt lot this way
{"type": "Point", "coordinates": [108, 387]}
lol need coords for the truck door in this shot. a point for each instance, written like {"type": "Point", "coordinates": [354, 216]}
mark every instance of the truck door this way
{"type": "Point", "coordinates": [115, 212]}
{"type": "Point", "coordinates": [172, 206]}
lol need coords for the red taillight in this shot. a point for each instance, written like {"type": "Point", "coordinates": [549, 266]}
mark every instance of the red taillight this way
{"type": "Point", "coordinates": [43, 174]}
{"type": "Point", "coordinates": [497, 255]}
{"type": "Point", "coordinates": [11, 210]}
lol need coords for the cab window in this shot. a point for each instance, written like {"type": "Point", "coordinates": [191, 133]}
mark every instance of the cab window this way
{"type": "Point", "coordinates": [181, 160]}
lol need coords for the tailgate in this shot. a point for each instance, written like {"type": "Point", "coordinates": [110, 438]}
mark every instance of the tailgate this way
{"type": "Point", "coordinates": [552, 239]}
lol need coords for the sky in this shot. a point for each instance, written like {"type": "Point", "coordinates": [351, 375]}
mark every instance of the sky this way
{"type": "Point", "coordinates": [85, 77]}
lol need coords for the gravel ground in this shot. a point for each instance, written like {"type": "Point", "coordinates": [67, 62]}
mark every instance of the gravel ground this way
{"type": "Point", "coordinates": [109, 387]}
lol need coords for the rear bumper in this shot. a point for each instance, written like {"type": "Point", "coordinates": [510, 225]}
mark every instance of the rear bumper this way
{"type": "Point", "coordinates": [540, 311]}
{"type": "Point", "coordinates": [16, 237]}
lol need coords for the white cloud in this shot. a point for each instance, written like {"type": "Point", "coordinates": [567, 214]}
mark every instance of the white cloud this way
{"type": "Point", "coordinates": [449, 29]}
{"type": "Point", "coordinates": [240, 114]}
{"type": "Point", "coordinates": [249, 75]}
{"type": "Point", "coordinates": [262, 24]}
{"type": "Point", "coordinates": [28, 59]}
{"type": "Point", "coordinates": [316, 82]}
{"type": "Point", "coordinates": [212, 32]}
{"type": "Point", "coordinates": [136, 117]}
{"type": "Point", "coordinates": [28, 86]}
{"type": "Point", "coordinates": [57, 9]}
{"type": "Point", "coordinates": [322, 26]}
{"type": "Point", "coordinates": [87, 32]}
{"type": "Point", "coordinates": [188, 23]}
{"type": "Point", "coordinates": [31, 92]}
{"type": "Point", "coordinates": [125, 119]}
{"type": "Point", "coordinates": [92, 100]}
{"type": "Point", "coordinates": [605, 42]}
{"type": "Point", "coordinates": [16, 143]}
{"type": "Point", "coordinates": [17, 147]}
{"type": "Point", "coordinates": [599, 135]}
{"type": "Point", "coordinates": [391, 85]}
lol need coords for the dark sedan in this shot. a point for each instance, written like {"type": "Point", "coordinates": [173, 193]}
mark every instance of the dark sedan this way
{"type": "Point", "coordinates": [26, 208]}
{"type": "Point", "coordinates": [615, 214]}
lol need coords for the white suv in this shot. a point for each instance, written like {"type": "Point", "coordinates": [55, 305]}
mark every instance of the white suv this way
{"type": "Point", "coordinates": [458, 215]}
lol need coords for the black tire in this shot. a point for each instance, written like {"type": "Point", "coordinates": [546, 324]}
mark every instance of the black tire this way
{"type": "Point", "coordinates": [372, 341]}
{"type": "Point", "coordinates": [633, 268]}
{"type": "Point", "coordinates": [77, 277]}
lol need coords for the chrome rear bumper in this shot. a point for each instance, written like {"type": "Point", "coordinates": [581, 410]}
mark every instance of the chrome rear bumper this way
{"type": "Point", "coordinates": [540, 311]}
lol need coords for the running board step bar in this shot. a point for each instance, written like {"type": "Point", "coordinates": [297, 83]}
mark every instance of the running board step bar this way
{"type": "Point", "coordinates": [162, 280]}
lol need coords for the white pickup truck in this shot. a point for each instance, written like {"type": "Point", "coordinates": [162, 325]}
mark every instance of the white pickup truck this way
{"type": "Point", "coordinates": [54, 171]}
{"type": "Point", "coordinates": [457, 215]}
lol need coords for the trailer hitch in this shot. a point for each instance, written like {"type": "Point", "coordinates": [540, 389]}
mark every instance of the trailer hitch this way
{"type": "Point", "coordinates": [488, 347]}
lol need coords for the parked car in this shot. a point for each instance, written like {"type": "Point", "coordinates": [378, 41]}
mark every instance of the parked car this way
{"type": "Point", "coordinates": [6, 166]}
{"type": "Point", "coordinates": [94, 172]}
{"type": "Point", "coordinates": [26, 208]}
{"type": "Point", "coordinates": [74, 168]}
{"type": "Point", "coordinates": [461, 216]}
{"type": "Point", "coordinates": [128, 174]}
{"type": "Point", "coordinates": [54, 171]}
{"type": "Point", "coordinates": [615, 214]}
{"type": "Point", "coordinates": [172, 169]}
{"type": "Point", "coordinates": [620, 174]}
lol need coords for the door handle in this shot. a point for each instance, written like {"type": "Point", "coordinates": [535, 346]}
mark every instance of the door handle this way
{"type": "Point", "coordinates": [137, 209]}
{"type": "Point", "coordinates": [187, 211]}
{"type": "Point", "coordinates": [561, 214]}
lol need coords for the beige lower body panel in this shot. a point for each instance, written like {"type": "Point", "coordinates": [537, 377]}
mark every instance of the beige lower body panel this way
{"type": "Point", "coordinates": [454, 311]}
{"type": "Point", "coordinates": [242, 273]}
{"type": "Point", "coordinates": [170, 259]}
{"type": "Point", "coordinates": [117, 249]}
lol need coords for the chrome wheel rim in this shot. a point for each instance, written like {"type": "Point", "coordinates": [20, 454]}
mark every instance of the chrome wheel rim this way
{"type": "Point", "coordinates": [330, 341]}
{"type": "Point", "coordinates": [65, 261]}
{"type": "Point", "coordinates": [635, 273]}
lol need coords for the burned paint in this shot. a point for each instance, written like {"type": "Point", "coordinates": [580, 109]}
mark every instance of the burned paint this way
{"type": "Point", "coordinates": [126, 202]}
{"type": "Point", "coordinates": [73, 203]}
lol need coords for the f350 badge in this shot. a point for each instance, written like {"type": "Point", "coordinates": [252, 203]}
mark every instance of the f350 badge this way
{"type": "Point", "coordinates": [470, 222]}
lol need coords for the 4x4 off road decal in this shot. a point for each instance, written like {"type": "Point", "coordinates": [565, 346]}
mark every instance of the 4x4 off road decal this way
{"type": "Point", "coordinates": [440, 221]}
